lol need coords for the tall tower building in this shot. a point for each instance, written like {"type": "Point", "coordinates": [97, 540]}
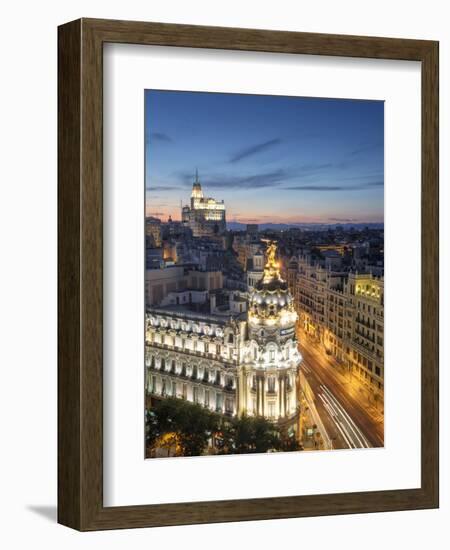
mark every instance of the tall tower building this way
{"type": "Point", "coordinates": [270, 371]}
{"type": "Point", "coordinates": [205, 216]}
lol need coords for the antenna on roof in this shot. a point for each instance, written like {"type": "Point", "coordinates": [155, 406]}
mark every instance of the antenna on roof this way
{"type": "Point", "coordinates": [196, 175]}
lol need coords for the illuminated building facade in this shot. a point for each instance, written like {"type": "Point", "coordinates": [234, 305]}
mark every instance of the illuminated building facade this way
{"type": "Point", "coordinates": [365, 306]}
{"type": "Point", "coordinates": [230, 360]}
{"type": "Point", "coordinates": [344, 311]}
{"type": "Point", "coordinates": [205, 216]}
{"type": "Point", "coordinates": [269, 375]}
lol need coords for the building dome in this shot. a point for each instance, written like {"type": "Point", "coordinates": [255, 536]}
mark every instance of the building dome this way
{"type": "Point", "coordinates": [270, 302]}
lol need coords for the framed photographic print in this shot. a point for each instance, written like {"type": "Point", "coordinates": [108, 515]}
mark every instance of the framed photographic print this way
{"type": "Point", "coordinates": [248, 274]}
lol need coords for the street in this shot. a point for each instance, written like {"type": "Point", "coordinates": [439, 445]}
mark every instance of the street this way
{"type": "Point", "coordinates": [350, 420]}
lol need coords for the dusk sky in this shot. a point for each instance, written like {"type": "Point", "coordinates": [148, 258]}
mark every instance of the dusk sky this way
{"type": "Point", "coordinates": [270, 158]}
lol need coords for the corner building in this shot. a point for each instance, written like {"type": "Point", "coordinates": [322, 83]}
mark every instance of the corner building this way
{"type": "Point", "coordinates": [231, 361]}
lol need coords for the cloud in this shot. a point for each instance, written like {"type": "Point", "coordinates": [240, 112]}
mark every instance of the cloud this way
{"type": "Point", "coordinates": [255, 181]}
{"type": "Point", "coordinates": [325, 188]}
{"type": "Point", "coordinates": [342, 220]}
{"type": "Point", "coordinates": [254, 150]}
{"type": "Point", "coordinates": [160, 136]}
{"type": "Point", "coordinates": [155, 188]}
{"type": "Point", "coordinates": [378, 177]}
{"type": "Point", "coordinates": [313, 168]}
{"type": "Point", "coordinates": [366, 148]}
{"type": "Point", "coordinates": [252, 181]}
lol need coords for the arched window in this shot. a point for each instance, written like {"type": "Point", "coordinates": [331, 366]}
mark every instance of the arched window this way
{"type": "Point", "coordinates": [230, 338]}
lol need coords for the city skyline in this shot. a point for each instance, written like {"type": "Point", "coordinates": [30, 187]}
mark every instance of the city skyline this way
{"type": "Point", "coordinates": [309, 160]}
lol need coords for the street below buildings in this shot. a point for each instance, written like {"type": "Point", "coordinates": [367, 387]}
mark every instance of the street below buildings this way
{"type": "Point", "coordinates": [348, 416]}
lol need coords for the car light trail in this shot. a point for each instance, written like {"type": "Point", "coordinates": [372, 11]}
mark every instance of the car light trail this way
{"type": "Point", "coordinates": [359, 435]}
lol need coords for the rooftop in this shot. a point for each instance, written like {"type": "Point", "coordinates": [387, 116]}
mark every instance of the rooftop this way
{"type": "Point", "coordinates": [198, 312]}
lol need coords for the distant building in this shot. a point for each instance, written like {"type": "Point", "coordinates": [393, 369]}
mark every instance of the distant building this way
{"type": "Point", "coordinates": [255, 269]}
{"type": "Point", "coordinates": [153, 232]}
{"type": "Point", "coordinates": [178, 281]}
{"type": "Point", "coordinates": [246, 245]}
{"type": "Point", "coordinates": [154, 258]}
{"type": "Point", "coordinates": [252, 228]}
{"type": "Point", "coordinates": [205, 216]}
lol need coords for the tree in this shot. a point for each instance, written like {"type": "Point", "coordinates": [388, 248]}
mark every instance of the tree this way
{"type": "Point", "coordinates": [192, 425]}
{"type": "Point", "coordinates": [249, 435]}
{"type": "Point", "coordinates": [290, 443]}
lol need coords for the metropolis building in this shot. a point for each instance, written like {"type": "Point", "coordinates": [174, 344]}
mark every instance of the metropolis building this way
{"type": "Point", "coordinates": [238, 359]}
{"type": "Point", "coordinates": [205, 216]}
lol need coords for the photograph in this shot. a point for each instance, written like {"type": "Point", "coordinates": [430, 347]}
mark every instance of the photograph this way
{"type": "Point", "coordinates": [264, 274]}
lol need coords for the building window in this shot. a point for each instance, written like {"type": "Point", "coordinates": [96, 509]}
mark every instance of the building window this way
{"type": "Point", "coordinates": [153, 387]}
{"type": "Point", "coordinates": [230, 338]}
{"type": "Point", "coordinates": [218, 350]}
{"type": "Point", "coordinates": [219, 401]}
{"type": "Point", "coordinates": [195, 394]}
{"type": "Point", "coordinates": [271, 383]}
{"type": "Point", "coordinates": [206, 398]}
{"type": "Point", "coordinates": [272, 355]}
{"type": "Point", "coordinates": [184, 391]}
{"type": "Point", "coordinates": [163, 390]}
{"type": "Point", "coordinates": [229, 406]}
{"type": "Point", "coordinates": [174, 389]}
{"type": "Point", "coordinates": [271, 410]}
{"type": "Point", "coordinates": [206, 347]}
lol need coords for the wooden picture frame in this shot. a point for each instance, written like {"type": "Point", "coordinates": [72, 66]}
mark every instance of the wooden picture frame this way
{"type": "Point", "coordinates": [80, 273]}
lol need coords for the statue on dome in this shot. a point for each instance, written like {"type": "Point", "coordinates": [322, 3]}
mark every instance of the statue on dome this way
{"type": "Point", "coordinates": [272, 267]}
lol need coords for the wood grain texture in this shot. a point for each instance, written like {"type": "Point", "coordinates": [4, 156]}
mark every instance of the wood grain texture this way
{"type": "Point", "coordinates": [80, 241]}
{"type": "Point", "coordinates": [69, 249]}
